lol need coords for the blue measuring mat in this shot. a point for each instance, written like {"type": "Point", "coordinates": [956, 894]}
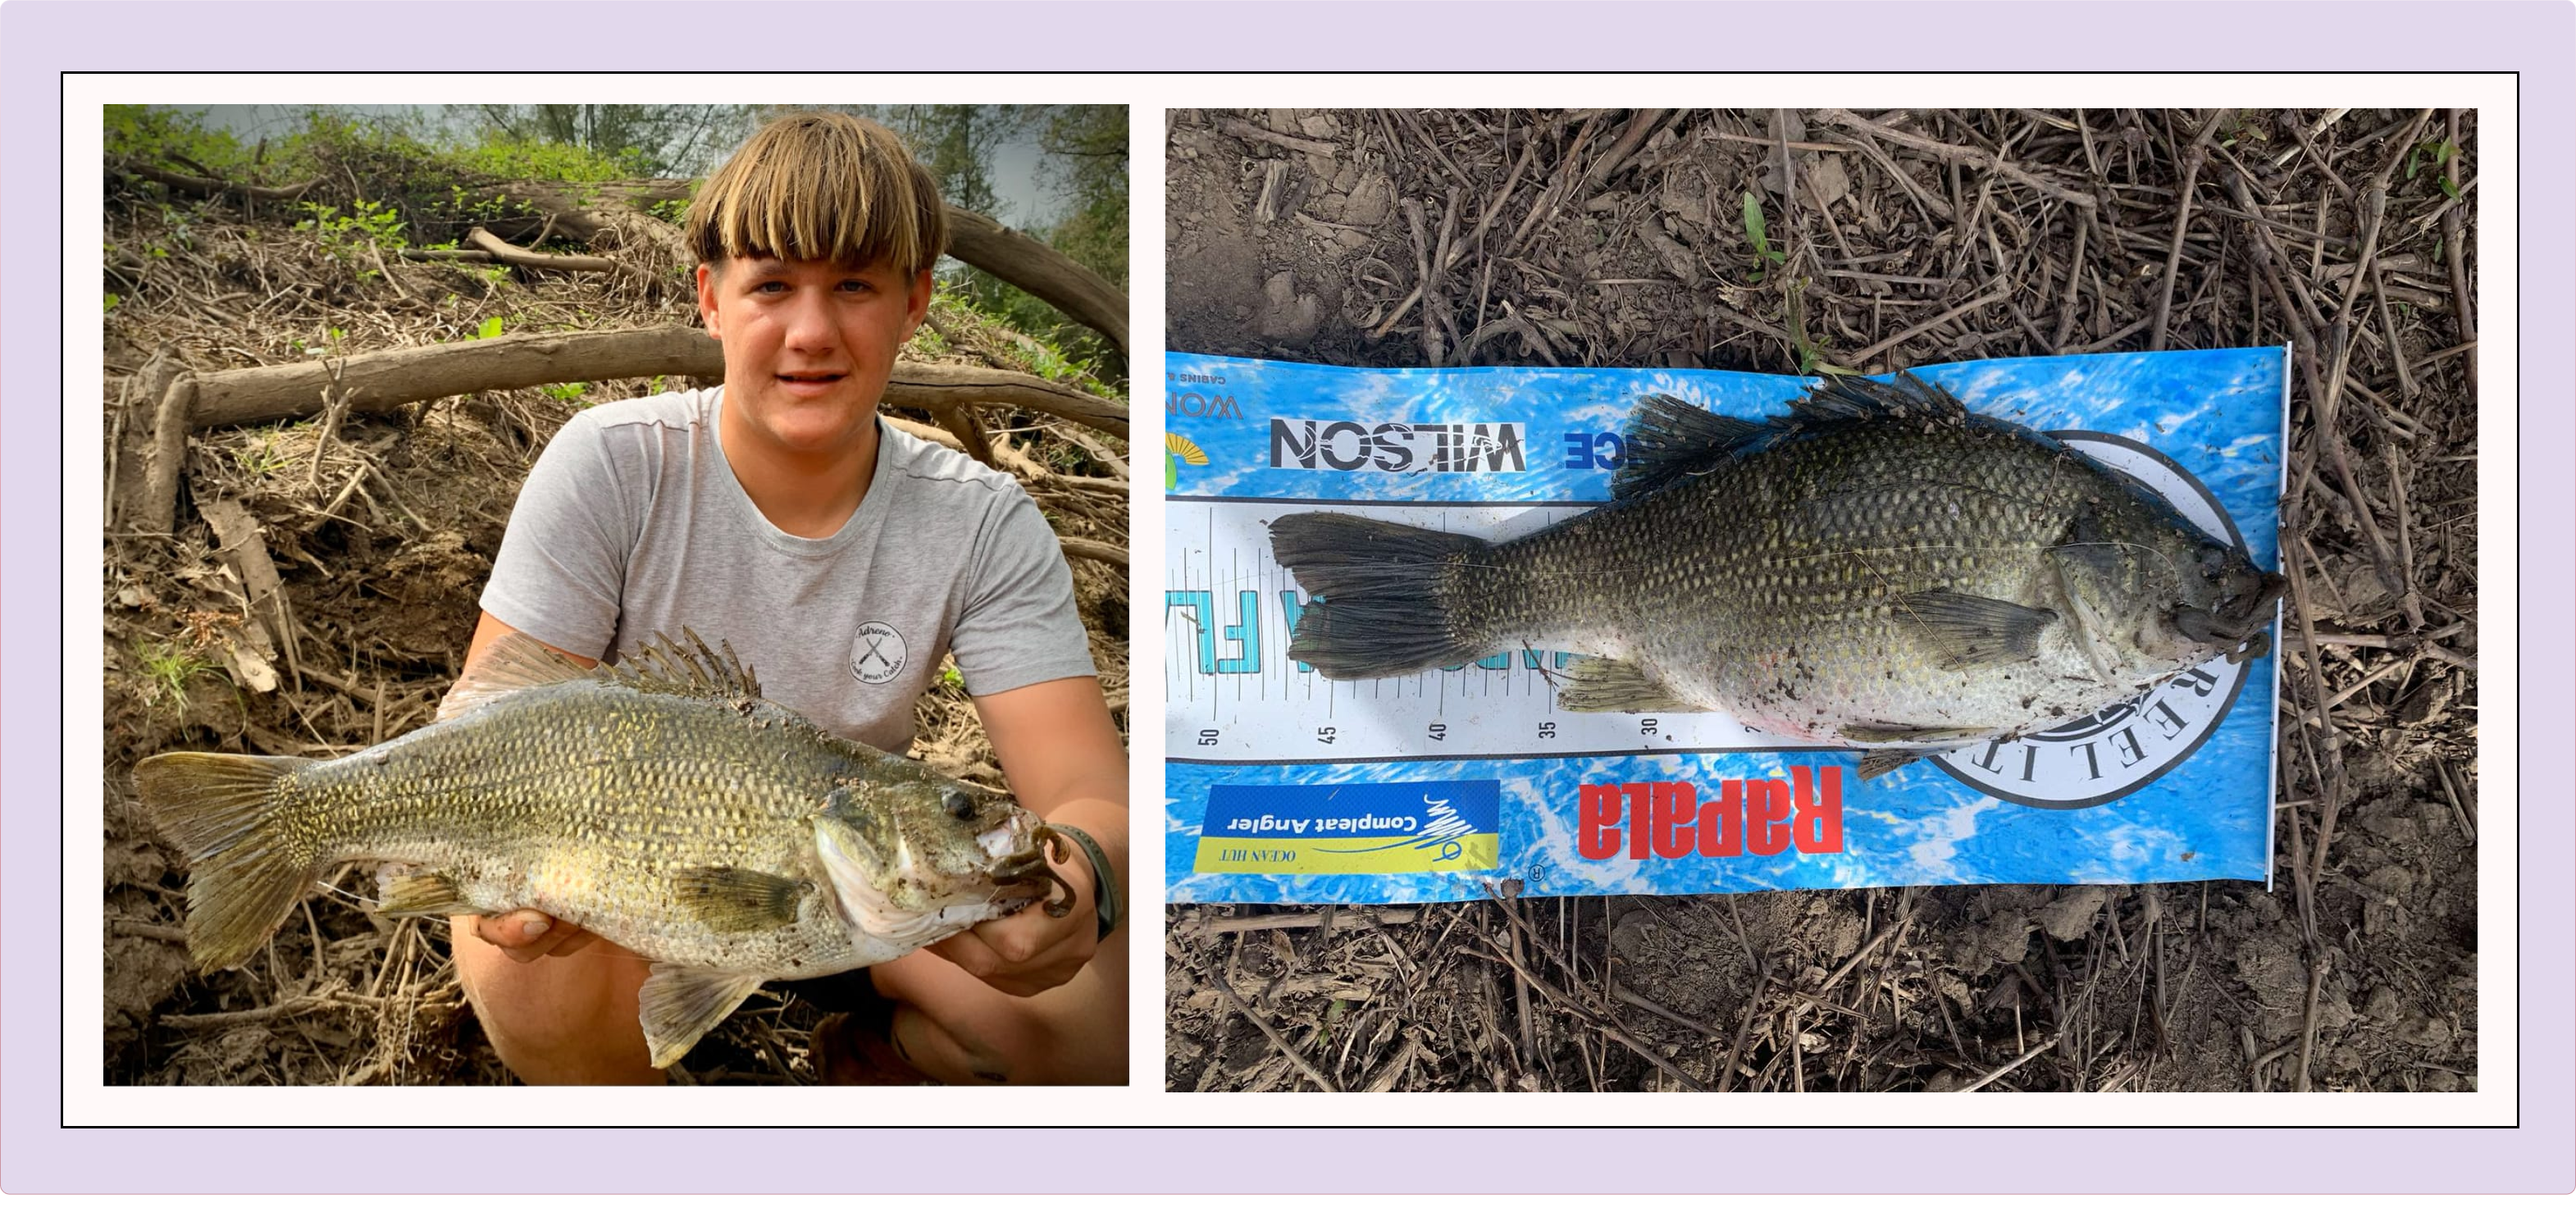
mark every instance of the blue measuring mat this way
{"type": "Point", "coordinates": [1283, 786]}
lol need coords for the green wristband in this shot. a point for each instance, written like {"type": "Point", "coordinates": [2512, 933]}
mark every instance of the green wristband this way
{"type": "Point", "coordinates": [1104, 878]}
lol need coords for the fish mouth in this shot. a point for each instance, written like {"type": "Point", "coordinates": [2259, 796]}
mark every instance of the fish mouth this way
{"type": "Point", "coordinates": [2240, 624]}
{"type": "Point", "coordinates": [1026, 876]}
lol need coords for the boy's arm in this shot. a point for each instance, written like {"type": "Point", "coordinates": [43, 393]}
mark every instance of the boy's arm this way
{"type": "Point", "coordinates": [1066, 764]}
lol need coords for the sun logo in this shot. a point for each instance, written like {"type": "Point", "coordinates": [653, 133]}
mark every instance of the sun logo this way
{"type": "Point", "coordinates": [1177, 451]}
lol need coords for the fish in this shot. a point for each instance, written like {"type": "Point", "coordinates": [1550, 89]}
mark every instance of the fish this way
{"type": "Point", "coordinates": [1879, 568]}
{"type": "Point", "coordinates": [658, 801]}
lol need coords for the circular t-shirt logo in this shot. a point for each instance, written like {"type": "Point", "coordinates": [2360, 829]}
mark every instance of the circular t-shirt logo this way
{"type": "Point", "coordinates": [2110, 753]}
{"type": "Point", "coordinates": [878, 656]}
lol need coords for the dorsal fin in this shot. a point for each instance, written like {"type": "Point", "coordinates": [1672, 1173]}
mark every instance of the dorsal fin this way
{"type": "Point", "coordinates": [1848, 398]}
{"type": "Point", "coordinates": [665, 665]}
{"type": "Point", "coordinates": [515, 662]}
{"type": "Point", "coordinates": [1667, 439]}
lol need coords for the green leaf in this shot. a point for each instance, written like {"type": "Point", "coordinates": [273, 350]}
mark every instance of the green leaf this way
{"type": "Point", "coordinates": [491, 328]}
{"type": "Point", "coordinates": [112, 300]}
{"type": "Point", "coordinates": [2449, 189]}
{"type": "Point", "coordinates": [1753, 225]}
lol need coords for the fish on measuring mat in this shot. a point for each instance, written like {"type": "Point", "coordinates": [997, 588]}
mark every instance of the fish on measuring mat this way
{"type": "Point", "coordinates": [1878, 568]}
{"type": "Point", "coordinates": [659, 802]}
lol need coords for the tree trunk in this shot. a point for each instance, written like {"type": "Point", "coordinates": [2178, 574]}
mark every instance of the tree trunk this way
{"type": "Point", "coordinates": [382, 381]}
{"type": "Point", "coordinates": [1048, 275]}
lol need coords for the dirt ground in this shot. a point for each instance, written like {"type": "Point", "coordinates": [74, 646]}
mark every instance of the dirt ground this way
{"type": "Point", "coordinates": [1618, 238]}
{"type": "Point", "coordinates": [382, 533]}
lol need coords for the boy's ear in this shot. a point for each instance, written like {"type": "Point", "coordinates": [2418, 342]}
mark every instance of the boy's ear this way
{"type": "Point", "coordinates": [707, 299]}
{"type": "Point", "coordinates": [917, 299]}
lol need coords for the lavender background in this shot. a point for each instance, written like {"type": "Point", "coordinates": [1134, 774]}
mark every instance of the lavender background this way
{"type": "Point", "coordinates": [38, 39]}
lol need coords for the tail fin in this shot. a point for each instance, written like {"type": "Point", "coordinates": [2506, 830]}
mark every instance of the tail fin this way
{"type": "Point", "coordinates": [1381, 608]}
{"type": "Point", "coordinates": [246, 867]}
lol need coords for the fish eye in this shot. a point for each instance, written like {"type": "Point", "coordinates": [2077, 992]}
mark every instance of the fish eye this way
{"type": "Point", "coordinates": [960, 806]}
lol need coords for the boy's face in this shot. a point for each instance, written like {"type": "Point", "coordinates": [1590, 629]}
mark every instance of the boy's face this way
{"type": "Point", "coordinates": [808, 345]}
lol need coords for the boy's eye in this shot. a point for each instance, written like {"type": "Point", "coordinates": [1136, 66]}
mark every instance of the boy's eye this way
{"type": "Point", "coordinates": [855, 286]}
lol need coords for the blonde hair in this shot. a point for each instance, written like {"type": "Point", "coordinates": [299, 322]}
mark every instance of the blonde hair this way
{"type": "Point", "coordinates": [821, 186]}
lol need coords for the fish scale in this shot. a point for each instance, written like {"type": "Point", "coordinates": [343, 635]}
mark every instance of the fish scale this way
{"type": "Point", "coordinates": [1878, 567]}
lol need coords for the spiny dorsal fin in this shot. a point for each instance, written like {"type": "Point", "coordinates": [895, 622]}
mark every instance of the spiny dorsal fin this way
{"type": "Point", "coordinates": [515, 662]}
{"type": "Point", "coordinates": [665, 665]}
{"type": "Point", "coordinates": [1667, 439]}
{"type": "Point", "coordinates": [1850, 398]}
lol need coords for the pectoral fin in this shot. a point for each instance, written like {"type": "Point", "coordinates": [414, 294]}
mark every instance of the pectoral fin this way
{"type": "Point", "coordinates": [740, 899]}
{"type": "Point", "coordinates": [679, 1004]}
{"type": "Point", "coordinates": [1616, 686]}
{"type": "Point", "coordinates": [1965, 631]}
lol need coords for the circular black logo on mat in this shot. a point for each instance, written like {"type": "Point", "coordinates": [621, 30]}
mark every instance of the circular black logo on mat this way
{"type": "Point", "coordinates": [2120, 748]}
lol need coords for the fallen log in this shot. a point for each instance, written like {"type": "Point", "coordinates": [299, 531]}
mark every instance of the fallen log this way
{"type": "Point", "coordinates": [510, 253]}
{"type": "Point", "coordinates": [1047, 274]}
{"type": "Point", "coordinates": [379, 382]}
{"type": "Point", "coordinates": [205, 186]}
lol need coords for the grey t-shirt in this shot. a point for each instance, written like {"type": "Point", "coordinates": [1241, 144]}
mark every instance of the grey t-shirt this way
{"type": "Point", "coordinates": [632, 523]}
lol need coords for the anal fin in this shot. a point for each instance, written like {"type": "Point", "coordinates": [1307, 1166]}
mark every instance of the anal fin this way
{"type": "Point", "coordinates": [421, 896]}
{"type": "Point", "coordinates": [1606, 685]}
{"type": "Point", "coordinates": [679, 1004]}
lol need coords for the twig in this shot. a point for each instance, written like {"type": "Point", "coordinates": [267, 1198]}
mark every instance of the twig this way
{"type": "Point", "coordinates": [1951, 154]}
{"type": "Point", "coordinates": [1864, 356]}
{"type": "Point", "coordinates": [1276, 1040]}
{"type": "Point", "coordinates": [2308, 1030]}
{"type": "Point", "coordinates": [2014, 1064]}
{"type": "Point", "coordinates": [1243, 129]}
{"type": "Point", "coordinates": [2192, 159]}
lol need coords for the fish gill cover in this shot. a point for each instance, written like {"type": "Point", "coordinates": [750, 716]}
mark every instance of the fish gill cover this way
{"type": "Point", "coordinates": [1284, 786]}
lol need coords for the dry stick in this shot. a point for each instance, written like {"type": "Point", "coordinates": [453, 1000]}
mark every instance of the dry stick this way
{"type": "Point", "coordinates": [2396, 350]}
{"type": "Point", "coordinates": [1276, 1040]}
{"type": "Point", "coordinates": [2374, 210]}
{"type": "Point", "coordinates": [2074, 278]}
{"type": "Point", "coordinates": [1639, 126]}
{"type": "Point", "coordinates": [1431, 342]}
{"type": "Point", "coordinates": [2454, 252]}
{"type": "Point", "coordinates": [1863, 357]}
{"type": "Point", "coordinates": [2330, 775]}
{"type": "Point", "coordinates": [1608, 1027]}
{"type": "Point", "coordinates": [2192, 159]}
{"type": "Point", "coordinates": [392, 378]}
{"type": "Point", "coordinates": [1520, 983]}
{"type": "Point", "coordinates": [2317, 964]}
{"type": "Point", "coordinates": [514, 255]}
{"type": "Point", "coordinates": [335, 404]}
{"type": "Point", "coordinates": [1545, 205]}
{"type": "Point", "coordinates": [1953, 154]}
{"type": "Point", "coordinates": [1243, 129]}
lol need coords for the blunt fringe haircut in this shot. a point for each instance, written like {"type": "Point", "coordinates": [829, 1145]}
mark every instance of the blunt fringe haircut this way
{"type": "Point", "coordinates": [821, 186]}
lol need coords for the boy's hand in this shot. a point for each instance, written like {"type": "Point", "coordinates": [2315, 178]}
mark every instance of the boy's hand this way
{"type": "Point", "coordinates": [525, 935]}
{"type": "Point", "coordinates": [1030, 952]}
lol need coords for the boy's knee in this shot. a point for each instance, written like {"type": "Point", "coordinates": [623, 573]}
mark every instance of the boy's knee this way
{"type": "Point", "coordinates": [560, 1019]}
